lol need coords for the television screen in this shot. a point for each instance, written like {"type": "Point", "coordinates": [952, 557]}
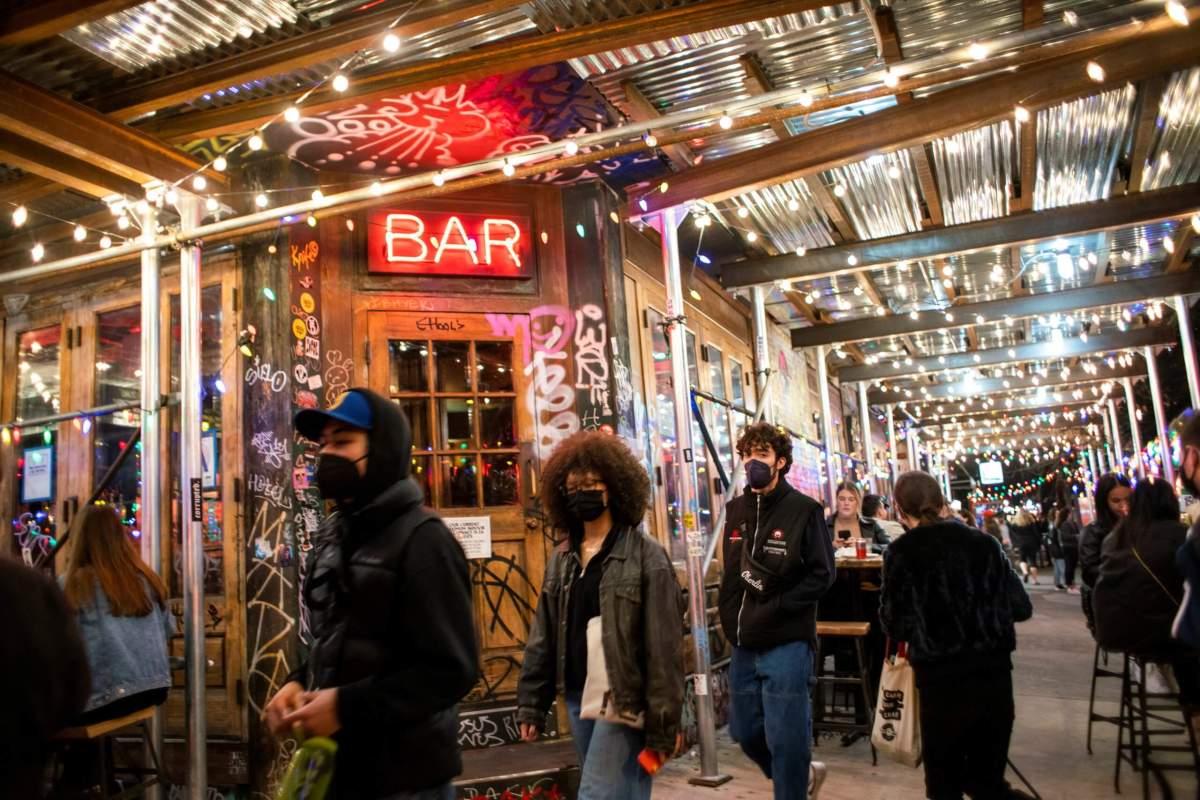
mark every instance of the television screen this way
{"type": "Point", "coordinates": [991, 472]}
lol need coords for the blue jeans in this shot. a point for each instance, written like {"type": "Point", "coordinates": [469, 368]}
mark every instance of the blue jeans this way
{"type": "Point", "coordinates": [770, 715]}
{"type": "Point", "coordinates": [440, 793]}
{"type": "Point", "coordinates": [1060, 572]}
{"type": "Point", "coordinates": [608, 765]}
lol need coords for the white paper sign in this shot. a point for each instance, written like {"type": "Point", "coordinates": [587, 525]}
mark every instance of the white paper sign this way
{"type": "Point", "coordinates": [208, 460]}
{"type": "Point", "coordinates": [37, 485]}
{"type": "Point", "coordinates": [474, 534]}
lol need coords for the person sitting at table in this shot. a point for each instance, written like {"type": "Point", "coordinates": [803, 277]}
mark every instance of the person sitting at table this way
{"type": "Point", "coordinates": [875, 507]}
{"type": "Point", "coordinates": [848, 523]}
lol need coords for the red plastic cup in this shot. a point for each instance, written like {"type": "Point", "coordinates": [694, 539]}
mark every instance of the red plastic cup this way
{"type": "Point", "coordinates": [651, 762]}
{"type": "Point", "coordinates": [860, 548]}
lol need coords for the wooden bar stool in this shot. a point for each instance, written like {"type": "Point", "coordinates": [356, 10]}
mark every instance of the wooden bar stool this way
{"type": "Point", "coordinates": [104, 732]}
{"type": "Point", "coordinates": [826, 719]}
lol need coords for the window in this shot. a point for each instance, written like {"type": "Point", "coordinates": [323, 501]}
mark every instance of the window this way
{"type": "Point", "coordinates": [716, 371]}
{"type": "Point", "coordinates": [663, 429]}
{"type": "Point", "coordinates": [737, 384]}
{"type": "Point", "coordinates": [460, 399]}
{"type": "Point", "coordinates": [118, 382]}
{"type": "Point", "coordinates": [38, 386]}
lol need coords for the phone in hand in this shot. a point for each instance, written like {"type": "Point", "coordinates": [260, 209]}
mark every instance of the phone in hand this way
{"type": "Point", "coordinates": [844, 535]}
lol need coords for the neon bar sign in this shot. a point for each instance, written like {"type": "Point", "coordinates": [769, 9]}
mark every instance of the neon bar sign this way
{"type": "Point", "coordinates": [441, 243]}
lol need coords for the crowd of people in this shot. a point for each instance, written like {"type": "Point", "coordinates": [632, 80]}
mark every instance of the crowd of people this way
{"type": "Point", "coordinates": [395, 649]}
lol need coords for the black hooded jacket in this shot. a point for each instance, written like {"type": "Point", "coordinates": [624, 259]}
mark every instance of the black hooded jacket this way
{"type": "Point", "coordinates": [389, 597]}
{"type": "Point", "coordinates": [769, 595]}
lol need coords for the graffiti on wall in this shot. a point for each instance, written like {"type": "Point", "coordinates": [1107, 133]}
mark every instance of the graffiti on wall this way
{"type": "Point", "coordinates": [718, 687]}
{"type": "Point", "coordinates": [556, 786]}
{"type": "Point", "coordinates": [591, 367]}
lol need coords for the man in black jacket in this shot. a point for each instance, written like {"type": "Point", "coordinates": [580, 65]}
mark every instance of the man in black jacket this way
{"type": "Point", "coordinates": [389, 597]}
{"type": "Point", "coordinates": [778, 562]}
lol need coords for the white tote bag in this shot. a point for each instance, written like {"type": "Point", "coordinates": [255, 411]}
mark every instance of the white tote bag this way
{"type": "Point", "coordinates": [596, 702]}
{"type": "Point", "coordinates": [897, 730]}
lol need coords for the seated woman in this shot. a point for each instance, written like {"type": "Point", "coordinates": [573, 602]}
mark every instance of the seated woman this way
{"type": "Point", "coordinates": [848, 523]}
{"type": "Point", "coordinates": [1139, 590]}
{"type": "Point", "coordinates": [121, 608]}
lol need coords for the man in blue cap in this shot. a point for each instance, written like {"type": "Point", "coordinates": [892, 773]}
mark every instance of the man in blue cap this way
{"type": "Point", "coordinates": [389, 598]}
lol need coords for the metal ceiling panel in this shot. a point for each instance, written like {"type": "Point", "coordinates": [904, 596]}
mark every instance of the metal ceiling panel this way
{"type": "Point", "coordinates": [1175, 154]}
{"type": "Point", "coordinates": [1078, 144]}
{"type": "Point", "coordinates": [975, 173]}
{"type": "Point", "coordinates": [929, 27]}
{"type": "Point", "coordinates": [881, 194]}
{"type": "Point", "coordinates": [784, 212]}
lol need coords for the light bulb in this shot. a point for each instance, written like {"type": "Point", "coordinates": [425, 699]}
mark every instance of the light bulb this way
{"type": "Point", "coordinates": [1196, 222]}
{"type": "Point", "coordinates": [261, 200]}
{"type": "Point", "coordinates": [571, 147]}
{"type": "Point", "coordinates": [376, 188]}
{"type": "Point", "coordinates": [172, 196]}
{"type": "Point", "coordinates": [894, 172]}
{"type": "Point", "coordinates": [123, 222]}
{"type": "Point", "coordinates": [839, 190]}
{"type": "Point", "coordinates": [726, 122]}
{"type": "Point", "coordinates": [391, 42]}
{"type": "Point", "coordinates": [219, 163]}
{"type": "Point", "coordinates": [852, 260]}
{"type": "Point", "coordinates": [19, 216]}
{"type": "Point", "coordinates": [1168, 244]}
{"type": "Point", "coordinates": [977, 51]}
{"type": "Point", "coordinates": [1177, 12]}
{"type": "Point", "coordinates": [80, 233]}
{"type": "Point", "coordinates": [312, 221]}
{"type": "Point", "coordinates": [743, 212]}
{"type": "Point", "coordinates": [291, 114]}
{"type": "Point", "coordinates": [650, 139]}
{"type": "Point", "coordinates": [340, 83]}
{"type": "Point", "coordinates": [438, 179]}
{"type": "Point", "coordinates": [1095, 72]}
{"type": "Point", "coordinates": [801, 250]}
{"type": "Point", "coordinates": [508, 169]}
{"type": "Point", "coordinates": [891, 79]}
{"type": "Point", "coordinates": [38, 251]}
{"type": "Point", "coordinates": [255, 142]}
{"type": "Point", "coordinates": [105, 242]}
{"type": "Point", "coordinates": [794, 205]}
{"type": "Point", "coordinates": [1021, 113]}
{"type": "Point", "coordinates": [211, 204]}
{"type": "Point", "coordinates": [199, 183]}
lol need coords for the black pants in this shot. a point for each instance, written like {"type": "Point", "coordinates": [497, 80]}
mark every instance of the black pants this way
{"type": "Point", "coordinates": [123, 707]}
{"type": "Point", "coordinates": [1071, 557]}
{"type": "Point", "coordinates": [966, 722]}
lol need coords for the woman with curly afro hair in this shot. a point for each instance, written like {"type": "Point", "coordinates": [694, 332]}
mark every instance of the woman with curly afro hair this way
{"type": "Point", "coordinates": [608, 634]}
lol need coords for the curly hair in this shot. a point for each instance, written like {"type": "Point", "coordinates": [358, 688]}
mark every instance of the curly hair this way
{"type": "Point", "coordinates": [764, 434]}
{"type": "Point", "coordinates": [608, 457]}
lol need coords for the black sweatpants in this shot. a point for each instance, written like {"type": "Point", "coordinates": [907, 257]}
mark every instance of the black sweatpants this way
{"type": "Point", "coordinates": [966, 722]}
{"type": "Point", "coordinates": [1071, 557]}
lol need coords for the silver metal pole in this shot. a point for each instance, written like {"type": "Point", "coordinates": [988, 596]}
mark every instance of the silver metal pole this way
{"type": "Point", "coordinates": [1116, 437]}
{"type": "Point", "coordinates": [1090, 483]}
{"type": "Point", "coordinates": [864, 415]}
{"type": "Point", "coordinates": [1160, 415]}
{"type": "Point", "coordinates": [762, 353]}
{"type": "Point", "coordinates": [831, 471]}
{"type": "Point", "coordinates": [697, 606]}
{"type": "Point", "coordinates": [190, 477]}
{"type": "Point", "coordinates": [1139, 463]}
{"type": "Point", "coordinates": [914, 458]}
{"type": "Point", "coordinates": [1109, 441]}
{"type": "Point", "coordinates": [152, 474]}
{"type": "Point", "coordinates": [1183, 316]}
{"type": "Point", "coordinates": [893, 461]}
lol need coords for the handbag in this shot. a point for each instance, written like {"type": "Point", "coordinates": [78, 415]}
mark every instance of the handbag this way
{"type": "Point", "coordinates": [596, 702]}
{"type": "Point", "coordinates": [897, 729]}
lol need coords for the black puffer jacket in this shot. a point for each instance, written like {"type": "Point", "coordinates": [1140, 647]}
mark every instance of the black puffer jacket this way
{"type": "Point", "coordinates": [1137, 595]}
{"type": "Point", "coordinates": [389, 595]}
{"type": "Point", "coordinates": [951, 594]}
{"type": "Point", "coordinates": [769, 595]}
{"type": "Point", "coordinates": [1090, 542]}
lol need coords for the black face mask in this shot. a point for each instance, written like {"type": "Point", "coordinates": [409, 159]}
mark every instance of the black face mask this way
{"type": "Point", "coordinates": [759, 474]}
{"type": "Point", "coordinates": [586, 505]}
{"type": "Point", "coordinates": [338, 477]}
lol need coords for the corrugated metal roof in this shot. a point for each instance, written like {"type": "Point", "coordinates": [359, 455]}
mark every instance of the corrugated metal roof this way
{"type": "Point", "coordinates": [881, 195]}
{"type": "Point", "coordinates": [975, 173]}
{"type": "Point", "coordinates": [788, 212]}
{"type": "Point", "coordinates": [929, 27]}
{"type": "Point", "coordinates": [1078, 144]}
{"type": "Point", "coordinates": [1175, 154]}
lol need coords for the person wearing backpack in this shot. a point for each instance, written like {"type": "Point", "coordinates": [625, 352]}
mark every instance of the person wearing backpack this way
{"type": "Point", "coordinates": [389, 598]}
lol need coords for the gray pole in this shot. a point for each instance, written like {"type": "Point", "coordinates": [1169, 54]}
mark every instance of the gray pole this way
{"type": "Point", "coordinates": [152, 475]}
{"type": "Point", "coordinates": [190, 473]}
{"type": "Point", "coordinates": [893, 462]}
{"type": "Point", "coordinates": [762, 353]}
{"type": "Point", "coordinates": [831, 471]}
{"type": "Point", "coordinates": [864, 415]}
{"type": "Point", "coordinates": [1119, 466]}
{"type": "Point", "coordinates": [914, 458]}
{"type": "Point", "coordinates": [1089, 488]}
{"type": "Point", "coordinates": [1109, 441]}
{"type": "Point", "coordinates": [1139, 463]}
{"type": "Point", "coordinates": [697, 606]}
{"type": "Point", "coordinates": [1160, 416]}
{"type": "Point", "coordinates": [1184, 317]}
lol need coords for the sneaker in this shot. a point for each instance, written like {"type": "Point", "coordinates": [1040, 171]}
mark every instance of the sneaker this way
{"type": "Point", "coordinates": [816, 777]}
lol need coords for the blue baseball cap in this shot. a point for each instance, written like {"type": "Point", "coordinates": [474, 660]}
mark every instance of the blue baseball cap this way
{"type": "Point", "coordinates": [352, 408]}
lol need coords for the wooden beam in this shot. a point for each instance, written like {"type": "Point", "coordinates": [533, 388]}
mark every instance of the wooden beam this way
{"type": "Point", "coordinates": [26, 188]}
{"type": "Point", "coordinates": [1183, 238]}
{"type": "Point", "coordinates": [642, 110]}
{"type": "Point", "coordinates": [1069, 300]}
{"type": "Point", "coordinates": [995, 356]}
{"type": "Point", "coordinates": [987, 386]}
{"type": "Point", "coordinates": [1150, 92]}
{"type": "Point", "coordinates": [1016, 229]}
{"type": "Point", "coordinates": [74, 173]}
{"type": "Point", "coordinates": [58, 123]}
{"type": "Point", "coordinates": [756, 83]}
{"type": "Point", "coordinates": [47, 18]}
{"type": "Point", "coordinates": [942, 113]}
{"type": "Point", "coordinates": [487, 60]}
{"type": "Point", "coordinates": [296, 52]}
{"type": "Point", "coordinates": [1033, 13]}
{"type": "Point", "coordinates": [815, 317]}
{"type": "Point", "coordinates": [1034, 409]}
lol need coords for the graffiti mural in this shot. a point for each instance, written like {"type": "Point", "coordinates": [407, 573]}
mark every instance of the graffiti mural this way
{"type": "Point", "coordinates": [460, 123]}
{"type": "Point", "coordinates": [718, 686]}
{"type": "Point", "coordinates": [555, 786]}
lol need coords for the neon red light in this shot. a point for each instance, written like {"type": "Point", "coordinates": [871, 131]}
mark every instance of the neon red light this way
{"type": "Point", "coordinates": [440, 243]}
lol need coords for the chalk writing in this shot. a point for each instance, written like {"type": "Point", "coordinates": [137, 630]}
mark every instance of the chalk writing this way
{"type": "Point", "coordinates": [591, 362]}
{"type": "Point", "coordinates": [436, 324]}
{"type": "Point", "coordinates": [272, 450]}
{"type": "Point", "coordinates": [270, 490]}
{"type": "Point", "coordinates": [275, 378]}
{"type": "Point", "coordinates": [547, 787]}
{"type": "Point", "coordinates": [337, 375]}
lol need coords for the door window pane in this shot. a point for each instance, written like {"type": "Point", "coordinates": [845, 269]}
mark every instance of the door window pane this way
{"type": "Point", "coordinates": [407, 367]}
{"type": "Point", "coordinates": [500, 480]}
{"type": "Point", "coordinates": [494, 366]}
{"type": "Point", "coordinates": [456, 419]}
{"type": "Point", "coordinates": [496, 427]}
{"type": "Point", "coordinates": [662, 428]}
{"type": "Point", "coordinates": [38, 379]}
{"type": "Point", "coordinates": [423, 474]}
{"type": "Point", "coordinates": [417, 411]}
{"type": "Point", "coordinates": [118, 380]}
{"type": "Point", "coordinates": [693, 370]}
{"type": "Point", "coordinates": [453, 363]}
{"type": "Point", "coordinates": [737, 387]}
{"type": "Point", "coordinates": [716, 372]}
{"type": "Point", "coordinates": [458, 482]}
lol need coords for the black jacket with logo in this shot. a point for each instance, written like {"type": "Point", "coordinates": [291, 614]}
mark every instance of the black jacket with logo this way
{"type": "Point", "coordinates": [769, 594]}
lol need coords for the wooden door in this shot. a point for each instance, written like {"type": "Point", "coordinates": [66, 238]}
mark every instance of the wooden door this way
{"type": "Point", "coordinates": [459, 380]}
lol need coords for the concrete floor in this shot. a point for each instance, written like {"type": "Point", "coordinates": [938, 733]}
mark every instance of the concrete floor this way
{"type": "Point", "coordinates": [1052, 678]}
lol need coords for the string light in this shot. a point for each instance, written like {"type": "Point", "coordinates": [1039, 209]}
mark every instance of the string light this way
{"type": "Point", "coordinates": [1177, 12]}
{"type": "Point", "coordinates": [219, 163]}
{"type": "Point", "coordinates": [38, 251]}
{"type": "Point", "coordinates": [318, 196]}
{"type": "Point", "coordinates": [1095, 72]}
{"type": "Point", "coordinates": [19, 215]}
{"type": "Point", "coordinates": [508, 169]}
{"type": "Point", "coordinates": [806, 99]}
{"type": "Point", "coordinates": [261, 200]}
{"type": "Point", "coordinates": [199, 183]}
{"type": "Point", "coordinates": [291, 114]}
{"type": "Point", "coordinates": [80, 233]}
{"type": "Point", "coordinates": [801, 250]}
{"type": "Point", "coordinates": [726, 121]}
{"type": "Point", "coordinates": [650, 140]}
{"type": "Point", "coordinates": [891, 79]}
{"type": "Point", "coordinates": [571, 147]}
{"type": "Point", "coordinates": [255, 142]}
{"type": "Point", "coordinates": [340, 83]}
{"type": "Point", "coordinates": [438, 179]}
{"type": "Point", "coordinates": [105, 242]}
{"type": "Point", "coordinates": [1021, 114]}
{"type": "Point", "coordinates": [977, 51]}
{"type": "Point", "coordinates": [391, 42]}
{"type": "Point", "coordinates": [211, 204]}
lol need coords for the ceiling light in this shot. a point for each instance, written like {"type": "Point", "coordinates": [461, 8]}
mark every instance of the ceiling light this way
{"type": "Point", "coordinates": [839, 190]}
{"type": "Point", "coordinates": [1177, 12]}
{"type": "Point", "coordinates": [806, 99]}
{"type": "Point", "coordinates": [255, 142]}
{"type": "Point", "coordinates": [1095, 72]}
{"type": "Point", "coordinates": [80, 233]}
{"type": "Point", "coordinates": [261, 200]}
{"type": "Point", "coordinates": [891, 79]}
{"type": "Point", "coordinates": [977, 51]}
{"type": "Point", "coordinates": [340, 83]}
{"type": "Point", "coordinates": [219, 163]}
{"type": "Point", "coordinates": [571, 147]}
{"type": "Point", "coordinates": [38, 251]}
{"type": "Point", "coordinates": [1021, 114]}
{"type": "Point", "coordinates": [726, 121]}
{"type": "Point", "coordinates": [391, 42]}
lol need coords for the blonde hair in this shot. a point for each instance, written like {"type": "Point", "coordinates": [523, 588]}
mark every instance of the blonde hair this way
{"type": "Point", "coordinates": [1024, 518]}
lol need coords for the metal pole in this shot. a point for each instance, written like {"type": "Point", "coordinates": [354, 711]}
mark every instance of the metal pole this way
{"type": "Point", "coordinates": [1109, 441]}
{"type": "Point", "coordinates": [1160, 416]}
{"type": "Point", "coordinates": [1183, 316]}
{"type": "Point", "coordinates": [705, 727]}
{"type": "Point", "coordinates": [831, 473]}
{"type": "Point", "coordinates": [152, 474]}
{"type": "Point", "coordinates": [190, 477]}
{"type": "Point", "coordinates": [1139, 462]}
{"type": "Point", "coordinates": [893, 462]}
{"type": "Point", "coordinates": [1119, 466]}
{"type": "Point", "coordinates": [1091, 482]}
{"type": "Point", "coordinates": [864, 415]}
{"type": "Point", "coordinates": [762, 353]}
{"type": "Point", "coordinates": [914, 458]}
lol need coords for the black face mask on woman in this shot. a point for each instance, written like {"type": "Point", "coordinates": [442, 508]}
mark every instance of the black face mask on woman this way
{"type": "Point", "coordinates": [759, 474]}
{"type": "Point", "coordinates": [337, 477]}
{"type": "Point", "coordinates": [586, 505]}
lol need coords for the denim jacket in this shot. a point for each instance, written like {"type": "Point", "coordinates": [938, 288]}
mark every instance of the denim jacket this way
{"type": "Point", "coordinates": [641, 609]}
{"type": "Point", "coordinates": [127, 655]}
